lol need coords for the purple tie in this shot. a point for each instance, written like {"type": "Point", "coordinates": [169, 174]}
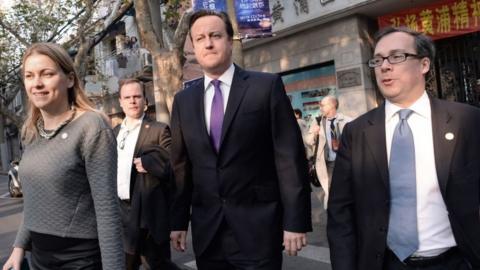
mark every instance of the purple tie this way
{"type": "Point", "coordinates": [216, 115]}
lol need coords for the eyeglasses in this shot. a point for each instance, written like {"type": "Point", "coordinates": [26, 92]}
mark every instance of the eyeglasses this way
{"type": "Point", "coordinates": [121, 144]}
{"type": "Point", "coordinates": [392, 59]}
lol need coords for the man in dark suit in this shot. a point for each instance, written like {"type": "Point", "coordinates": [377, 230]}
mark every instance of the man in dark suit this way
{"type": "Point", "coordinates": [238, 160]}
{"type": "Point", "coordinates": [143, 181]}
{"type": "Point", "coordinates": [405, 188]}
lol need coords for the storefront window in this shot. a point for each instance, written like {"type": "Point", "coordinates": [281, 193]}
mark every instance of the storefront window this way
{"type": "Point", "coordinates": [306, 87]}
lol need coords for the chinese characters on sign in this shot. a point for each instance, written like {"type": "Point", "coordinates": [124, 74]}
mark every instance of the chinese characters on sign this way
{"type": "Point", "coordinates": [444, 19]}
{"type": "Point", "coordinates": [253, 18]}
{"type": "Point", "coordinates": [210, 4]}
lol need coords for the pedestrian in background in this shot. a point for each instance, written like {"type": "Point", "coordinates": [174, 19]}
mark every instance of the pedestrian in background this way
{"type": "Point", "coordinates": [302, 124]}
{"type": "Point", "coordinates": [70, 217]}
{"type": "Point", "coordinates": [324, 135]}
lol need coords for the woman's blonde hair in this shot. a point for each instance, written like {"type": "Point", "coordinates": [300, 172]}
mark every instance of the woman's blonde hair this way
{"type": "Point", "coordinates": [76, 94]}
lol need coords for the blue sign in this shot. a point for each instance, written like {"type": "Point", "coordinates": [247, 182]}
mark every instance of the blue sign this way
{"type": "Point", "coordinates": [219, 5]}
{"type": "Point", "coordinates": [253, 18]}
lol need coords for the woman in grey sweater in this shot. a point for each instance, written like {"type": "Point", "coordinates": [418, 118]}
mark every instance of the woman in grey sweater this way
{"type": "Point", "coordinates": [68, 170]}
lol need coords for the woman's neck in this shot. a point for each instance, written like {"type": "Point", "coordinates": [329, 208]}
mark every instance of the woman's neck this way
{"type": "Point", "coordinates": [52, 120]}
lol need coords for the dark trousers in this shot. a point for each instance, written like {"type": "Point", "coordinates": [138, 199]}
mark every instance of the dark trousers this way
{"type": "Point", "coordinates": [51, 252]}
{"type": "Point", "coordinates": [147, 252]}
{"type": "Point", "coordinates": [224, 253]}
{"type": "Point", "coordinates": [151, 255]}
{"type": "Point", "coordinates": [455, 261]}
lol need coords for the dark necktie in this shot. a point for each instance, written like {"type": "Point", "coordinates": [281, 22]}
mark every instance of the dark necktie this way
{"type": "Point", "coordinates": [333, 132]}
{"type": "Point", "coordinates": [333, 135]}
{"type": "Point", "coordinates": [402, 237]}
{"type": "Point", "coordinates": [216, 115]}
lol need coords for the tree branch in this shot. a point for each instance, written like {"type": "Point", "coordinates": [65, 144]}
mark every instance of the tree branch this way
{"type": "Point", "coordinates": [14, 33]}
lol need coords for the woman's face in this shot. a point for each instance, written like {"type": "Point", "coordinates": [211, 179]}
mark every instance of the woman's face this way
{"type": "Point", "coordinates": [46, 84]}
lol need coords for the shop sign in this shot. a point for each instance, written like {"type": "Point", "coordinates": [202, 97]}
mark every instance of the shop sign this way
{"type": "Point", "coordinates": [253, 18]}
{"type": "Point", "coordinates": [219, 5]}
{"type": "Point", "coordinates": [443, 19]}
{"type": "Point", "coordinates": [349, 78]}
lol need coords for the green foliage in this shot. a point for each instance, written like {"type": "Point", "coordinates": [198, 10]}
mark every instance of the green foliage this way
{"type": "Point", "coordinates": [28, 22]}
{"type": "Point", "coordinates": [173, 10]}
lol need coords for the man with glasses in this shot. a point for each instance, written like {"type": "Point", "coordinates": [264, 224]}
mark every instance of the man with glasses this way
{"type": "Point", "coordinates": [406, 185]}
{"type": "Point", "coordinates": [143, 181]}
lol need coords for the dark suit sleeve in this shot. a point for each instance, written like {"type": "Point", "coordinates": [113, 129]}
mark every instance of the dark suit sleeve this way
{"type": "Point", "coordinates": [155, 159]}
{"type": "Point", "coordinates": [290, 162]}
{"type": "Point", "coordinates": [180, 211]}
{"type": "Point", "coordinates": [341, 222]}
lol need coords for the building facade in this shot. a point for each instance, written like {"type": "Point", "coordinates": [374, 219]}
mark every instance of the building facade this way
{"type": "Point", "coordinates": [321, 47]}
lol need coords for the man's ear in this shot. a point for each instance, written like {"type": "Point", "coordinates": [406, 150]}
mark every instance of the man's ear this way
{"type": "Point", "coordinates": [426, 65]}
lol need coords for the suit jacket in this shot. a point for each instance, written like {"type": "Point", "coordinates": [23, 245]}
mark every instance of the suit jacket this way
{"type": "Point", "coordinates": [257, 182]}
{"type": "Point", "coordinates": [359, 204]}
{"type": "Point", "coordinates": [149, 192]}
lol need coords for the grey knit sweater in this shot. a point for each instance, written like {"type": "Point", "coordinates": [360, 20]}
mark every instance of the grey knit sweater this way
{"type": "Point", "coordinates": [69, 185]}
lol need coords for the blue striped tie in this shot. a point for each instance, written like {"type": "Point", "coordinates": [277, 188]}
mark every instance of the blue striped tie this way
{"type": "Point", "coordinates": [402, 237]}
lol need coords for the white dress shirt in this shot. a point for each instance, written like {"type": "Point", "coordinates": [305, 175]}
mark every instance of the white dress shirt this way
{"type": "Point", "coordinates": [435, 232]}
{"type": "Point", "coordinates": [129, 135]}
{"type": "Point", "coordinates": [226, 83]}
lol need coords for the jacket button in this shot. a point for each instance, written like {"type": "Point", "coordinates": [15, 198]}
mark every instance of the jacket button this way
{"type": "Point", "coordinates": [379, 256]}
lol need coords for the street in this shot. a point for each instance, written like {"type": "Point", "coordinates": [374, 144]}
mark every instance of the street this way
{"type": "Point", "coordinates": [314, 257]}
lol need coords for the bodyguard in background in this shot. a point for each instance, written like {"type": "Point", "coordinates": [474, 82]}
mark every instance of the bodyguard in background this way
{"type": "Point", "coordinates": [238, 159]}
{"type": "Point", "coordinates": [143, 147]}
{"type": "Point", "coordinates": [406, 185]}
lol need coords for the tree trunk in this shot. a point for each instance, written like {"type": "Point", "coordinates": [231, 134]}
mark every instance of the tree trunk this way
{"type": "Point", "coordinates": [167, 80]}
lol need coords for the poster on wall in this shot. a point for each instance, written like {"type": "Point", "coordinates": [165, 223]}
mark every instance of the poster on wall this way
{"type": "Point", "coordinates": [307, 87]}
{"type": "Point", "coordinates": [253, 18]}
{"type": "Point", "coordinates": [219, 5]}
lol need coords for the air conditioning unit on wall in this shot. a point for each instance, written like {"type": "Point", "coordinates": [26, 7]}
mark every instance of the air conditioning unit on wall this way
{"type": "Point", "coordinates": [146, 59]}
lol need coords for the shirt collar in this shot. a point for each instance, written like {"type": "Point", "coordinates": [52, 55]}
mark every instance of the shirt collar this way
{"type": "Point", "coordinates": [420, 107]}
{"type": "Point", "coordinates": [137, 122]}
{"type": "Point", "coordinates": [226, 78]}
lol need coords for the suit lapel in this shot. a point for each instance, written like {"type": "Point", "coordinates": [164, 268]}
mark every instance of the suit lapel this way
{"type": "Point", "coordinates": [198, 111]}
{"type": "Point", "coordinates": [376, 142]}
{"type": "Point", "coordinates": [237, 92]}
{"type": "Point", "coordinates": [442, 125]}
{"type": "Point", "coordinates": [142, 135]}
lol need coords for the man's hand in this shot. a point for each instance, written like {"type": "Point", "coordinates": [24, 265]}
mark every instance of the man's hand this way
{"type": "Point", "coordinates": [138, 165]}
{"type": "Point", "coordinates": [179, 240]}
{"type": "Point", "coordinates": [293, 242]}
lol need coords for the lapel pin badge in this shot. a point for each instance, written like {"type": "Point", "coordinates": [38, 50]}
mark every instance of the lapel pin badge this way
{"type": "Point", "coordinates": [147, 126]}
{"type": "Point", "coordinates": [64, 135]}
{"type": "Point", "coordinates": [449, 136]}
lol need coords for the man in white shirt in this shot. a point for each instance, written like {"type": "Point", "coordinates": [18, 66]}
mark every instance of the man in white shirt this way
{"type": "Point", "coordinates": [238, 159]}
{"type": "Point", "coordinates": [143, 181]}
{"type": "Point", "coordinates": [405, 190]}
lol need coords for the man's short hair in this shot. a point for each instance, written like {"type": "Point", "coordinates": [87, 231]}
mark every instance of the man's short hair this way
{"type": "Point", "coordinates": [424, 45]}
{"type": "Point", "coordinates": [206, 12]}
{"type": "Point", "coordinates": [130, 81]}
{"type": "Point", "coordinates": [298, 112]}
